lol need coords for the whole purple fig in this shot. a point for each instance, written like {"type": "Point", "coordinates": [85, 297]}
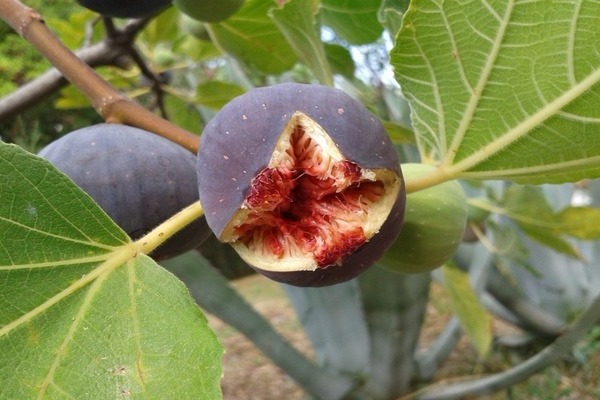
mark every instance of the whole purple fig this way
{"type": "Point", "coordinates": [138, 178]}
{"type": "Point", "coordinates": [125, 8]}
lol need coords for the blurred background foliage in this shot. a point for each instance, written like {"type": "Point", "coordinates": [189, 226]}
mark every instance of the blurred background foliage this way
{"type": "Point", "coordinates": [20, 63]}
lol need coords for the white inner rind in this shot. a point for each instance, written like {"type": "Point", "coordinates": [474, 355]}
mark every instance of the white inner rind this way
{"type": "Point", "coordinates": [297, 260]}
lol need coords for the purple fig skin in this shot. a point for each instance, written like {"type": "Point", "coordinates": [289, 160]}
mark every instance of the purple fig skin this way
{"type": "Point", "coordinates": [238, 144]}
{"type": "Point", "coordinates": [125, 8]}
{"type": "Point", "coordinates": [138, 178]}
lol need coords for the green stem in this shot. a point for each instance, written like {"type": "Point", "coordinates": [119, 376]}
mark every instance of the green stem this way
{"type": "Point", "coordinates": [170, 227]}
{"type": "Point", "coordinates": [435, 177]}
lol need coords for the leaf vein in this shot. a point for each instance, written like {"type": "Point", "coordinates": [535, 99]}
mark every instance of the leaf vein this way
{"type": "Point", "coordinates": [61, 352]}
{"type": "Point", "coordinates": [475, 97]}
{"type": "Point", "coordinates": [528, 124]}
{"type": "Point", "coordinates": [65, 238]}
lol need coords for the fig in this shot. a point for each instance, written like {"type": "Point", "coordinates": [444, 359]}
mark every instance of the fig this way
{"type": "Point", "coordinates": [138, 178]}
{"type": "Point", "coordinates": [434, 222]}
{"type": "Point", "coordinates": [125, 8]}
{"type": "Point", "coordinates": [303, 181]}
{"type": "Point", "coordinates": [208, 10]}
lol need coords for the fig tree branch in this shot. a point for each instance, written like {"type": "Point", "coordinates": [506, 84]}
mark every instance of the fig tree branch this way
{"type": "Point", "coordinates": [548, 356]}
{"type": "Point", "coordinates": [52, 80]}
{"type": "Point", "coordinates": [122, 35]}
{"type": "Point", "coordinates": [113, 50]}
{"type": "Point", "coordinates": [112, 105]}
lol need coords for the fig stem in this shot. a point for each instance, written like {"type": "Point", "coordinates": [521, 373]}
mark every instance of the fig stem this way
{"type": "Point", "coordinates": [164, 231]}
{"type": "Point", "coordinates": [435, 177]}
{"type": "Point", "coordinates": [112, 105]}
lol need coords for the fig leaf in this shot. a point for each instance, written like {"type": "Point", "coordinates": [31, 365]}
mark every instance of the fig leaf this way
{"type": "Point", "coordinates": [296, 21]}
{"type": "Point", "coordinates": [503, 90]}
{"type": "Point", "coordinates": [252, 37]}
{"type": "Point", "coordinates": [81, 309]}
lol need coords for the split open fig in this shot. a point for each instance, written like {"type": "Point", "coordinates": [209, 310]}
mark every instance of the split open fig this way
{"type": "Point", "coordinates": [303, 181]}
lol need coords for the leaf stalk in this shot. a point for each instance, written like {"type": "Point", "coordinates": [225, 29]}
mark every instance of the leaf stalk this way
{"type": "Point", "coordinates": [170, 227]}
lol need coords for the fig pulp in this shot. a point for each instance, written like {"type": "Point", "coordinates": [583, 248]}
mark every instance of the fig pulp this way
{"type": "Point", "coordinates": [303, 181]}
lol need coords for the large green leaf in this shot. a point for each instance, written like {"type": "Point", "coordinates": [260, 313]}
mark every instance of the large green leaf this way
{"type": "Point", "coordinates": [163, 28]}
{"type": "Point", "coordinates": [340, 60]}
{"type": "Point", "coordinates": [216, 94]}
{"type": "Point", "coordinates": [504, 89]}
{"type": "Point", "coordinates": [82, 313]}
{"type": "Point", "coordinates": [181, 112]}
{"type": "Point", "coordinates": [353, 20]}
{"type": "Point", "coordinates": [580, 222]}
{"type": "Point", "coordinates": [252, 37]}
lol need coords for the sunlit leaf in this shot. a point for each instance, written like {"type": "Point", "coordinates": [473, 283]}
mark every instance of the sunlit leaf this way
{"type": "Point", "coordinates": [82, 313]}
{"type": "Point", "coordinates": [182, 113]}
{"type": "Point", "coordinates": [71, 98]}
{"type": "Point", "coordinates": [75, 30]}
{"type": "Point", "coordinates": [580, 222]}
{"type": "Point", "coordinates": [340, 60]}
{"type": "Point", "coordinates": [353, 20]}
{"type": "Point", "coordinates": [196, 49]}
{"type": "Point", "coordinates": [504, 89]}
{"type": "Point", "coordinates": [252, 37]}
{"type": "Point", "coordinates": [296, 21]}
{"type": "Point", "coordinates": [163, 28]}
{"type": "Point", "coordinates": [215, 94]}
{"type": "Point", "coordinates": [474, 319]}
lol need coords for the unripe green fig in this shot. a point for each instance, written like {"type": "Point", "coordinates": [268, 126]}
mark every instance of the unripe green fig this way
{"type": "Point", "coordinates": [209, 10]}
{"type": "Point", "coordinates": [434, 221]}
